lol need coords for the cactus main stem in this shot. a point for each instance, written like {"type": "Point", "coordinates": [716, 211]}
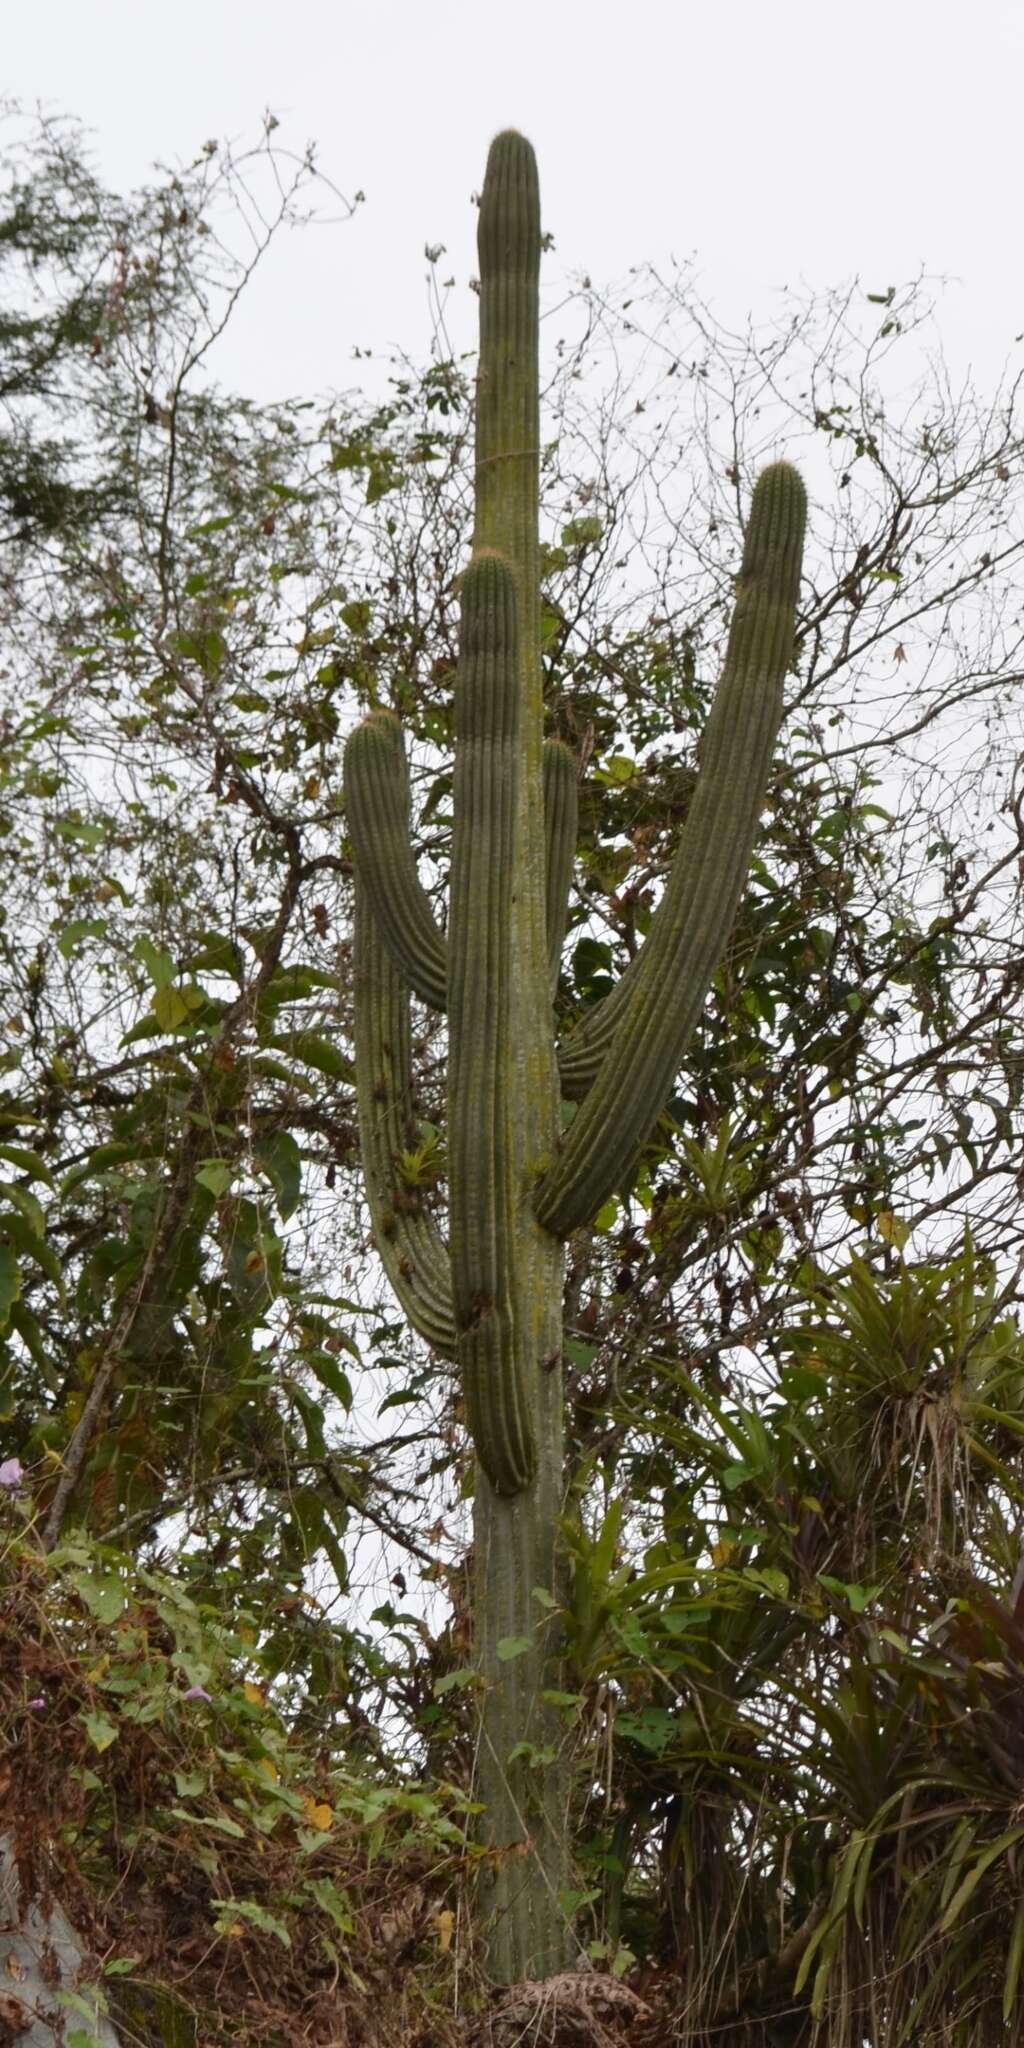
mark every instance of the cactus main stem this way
{"type": "Point", "coordinates": [527, 1930]}
{"type": "Point", "coordinates": [481, 971]}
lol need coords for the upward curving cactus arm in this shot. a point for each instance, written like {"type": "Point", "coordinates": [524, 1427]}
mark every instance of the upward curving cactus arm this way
{"type": "Point", "coordinates": [704, 888]}
{"type": "Point", "coordinates": [580, 1056]}
{"type": "Point", "coordinates": [480, 1060]}
{"type": "Point", "coordinates": [408, 1241]}
{"type": "Point", "coordinates": [377, 805]}
{"type": "Point", "coordinates": [561, 805]}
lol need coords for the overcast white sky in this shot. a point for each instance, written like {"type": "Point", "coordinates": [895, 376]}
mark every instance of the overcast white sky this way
{"type": "Point", "coordinates": [775, 143]}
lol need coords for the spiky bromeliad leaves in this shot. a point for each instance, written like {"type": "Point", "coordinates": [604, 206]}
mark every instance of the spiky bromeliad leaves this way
{"type": "Point", "coordinates": [492, 1298]}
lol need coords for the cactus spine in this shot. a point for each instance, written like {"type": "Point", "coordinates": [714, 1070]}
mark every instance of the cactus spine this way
{"type": "Point", "coordinates": [492, 1298]}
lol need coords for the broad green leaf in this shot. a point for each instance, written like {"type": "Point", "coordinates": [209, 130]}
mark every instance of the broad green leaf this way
{"type": "Point", "coordinates": [158, 964]}
{"type": "Point", "coordinates": [10, 1284]}
{"type": "Point", "coordinates": [281, 1160]}
{"type": "Point", "coordinates": [101, 1732]}
{"type": "Point", "coordinates": [330, 1375]}
{"type": "Point", "coordinates": [98, 1161]}
{"type": "Point", "coordinates": [27, 1205]}
{"type": "Point", "coordinates": [334, 1903]}
{"type": "Point", "coordinates": [314, 1051]}
{"type": "Point", "coordinates": [170, 1008]}
{"type": "Point", "coordinates": [456, 1681]}
{"type": "Point", "coordinates": [89, 836]}
{"type": "Point", "coordinates": [19, 1233]}
{"type": "Point", "coordinates": [28, 1161]}
{"type": "Point", "coordinates": [216, 1175]}
{"type": "Point", "coordinates": [892, 1229]}
{"type": "Point", "coordinates": [512, 1646]}
{"type": "Point", "coordinates": [583, 532]}
{"type": "Point", "coordinates": [103, 1593]}
{"type": "Point", "coordinates": [80, 928]}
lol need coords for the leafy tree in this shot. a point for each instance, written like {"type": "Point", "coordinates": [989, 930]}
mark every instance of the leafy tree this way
{"type": "Point", "coordinates": [792, 1353]}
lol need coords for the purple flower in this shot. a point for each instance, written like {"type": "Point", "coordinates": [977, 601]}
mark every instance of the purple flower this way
{"type": "Point", "coordinates": [12, 1472]}
{"type": "Point", "coordinates": [35, 1706]}
{"type": "Point", "coordinates": [196, 1692]}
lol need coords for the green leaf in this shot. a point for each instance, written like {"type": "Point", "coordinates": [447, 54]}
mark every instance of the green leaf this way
{"type": "Point", "coordinates": [158, 964]}
{"type": "Point", "coordinates": [859, 1597]}
{"type": "Point", "coordinates": [330, 1375]}
{"type": "Point", "coordinates": [103, 1593]}
{"type": "Point", "coordinates": [247, 1909]}
{"type": "Point", "coordinates": [314, 1051]}
{"type": "Point", "coordinates": [281, 1161]}
{"type": "Point", "coordinates": [513, 1646]}
{"type": "Point", "coordinates": [653, 1728]}
{"type": "Point", "coordinates": [218, 1821]}
{"type": "Point", "coordinates": [98, 1161]}
{"type": "Point", "coordinates": [10, 1284]}
{"type": "Point", "coordinates": [581, 1352]}
{"type": "Point", "coordinates": [583, 532]}
{"type": "Point", "coordinates": [976, 1873]}
{"type": "Point", "coordinates": [331, 1901]}
{"type": "Point", "coordinates": [29, 1162]}
{"type": "Point", "coordinates": [80, 928]}
{"type": "Point", "coordinates": [170, 1008]}
{"type": "Point", "coordinates": [1014, 1958]}
{"type": "Point", "coordinates": [217, 1175]}
{"type": "Point", "coordinates": [101, 1732]}
{"type": "Point", "coordinates": [26, 1204]}
{"type": "Point", "coordinates": [357, 615]}
{"type": "Point", "coordinates": [455, 1681]}
{"type": "Point", "coordinates": [403, 1397]}
{"type": "Point", "coordinates": [89, 836]}
{"type": "Point", "coordinates": [25, 1240]}
{"type": "Point", "coordinates": [216, 955]}
{"type": "Point", "coordinates": [188, 1784]}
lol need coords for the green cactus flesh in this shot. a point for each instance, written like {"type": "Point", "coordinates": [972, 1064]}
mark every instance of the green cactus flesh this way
{"type": "Point", "coordinates": [560, 825]}
{"type": "Point", "coordinates": [377, 806]}
{"type": "Point", "coordinates": [687, 938]}
{"type": "Point", "coordinates": [480, 972]}
{"type": "Point", "coordinates": [408, 1241]}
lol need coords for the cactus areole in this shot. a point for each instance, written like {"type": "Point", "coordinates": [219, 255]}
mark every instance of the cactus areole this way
{"type": "Point", "coordinates": [489, 1295]}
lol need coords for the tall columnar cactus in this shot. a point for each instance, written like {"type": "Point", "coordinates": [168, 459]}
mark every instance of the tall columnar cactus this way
{"type": "Point", "coordinates": [518, 1186]}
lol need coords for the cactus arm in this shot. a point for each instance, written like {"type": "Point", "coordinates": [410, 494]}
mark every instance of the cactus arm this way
{"type": "Point", "coordinates": [560, 824]}
{"type": "Point", "coordinates": [480, 973]}
{"type": "Point", "coordinates": [704, 888]}
{"type": "Point", "coordinates": [408, 1242]}
{"type": "Point", "coordinates": [377, 805]}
